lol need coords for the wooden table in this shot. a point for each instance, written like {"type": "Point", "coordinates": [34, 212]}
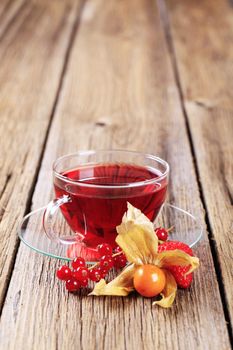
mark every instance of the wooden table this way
{"type": "Point", "coordinates": [129, 74]}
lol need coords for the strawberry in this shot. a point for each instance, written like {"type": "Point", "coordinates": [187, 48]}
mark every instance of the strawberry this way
{"type": "Point", "coordinates": [172, 245]}
{"type": "Point", "coordinates": [179, 275]}
{"type": "Point", "coordinates": [178, 271]}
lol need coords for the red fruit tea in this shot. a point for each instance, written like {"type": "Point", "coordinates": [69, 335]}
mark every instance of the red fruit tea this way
{"type": "Point", "coordinates": [99, 196]}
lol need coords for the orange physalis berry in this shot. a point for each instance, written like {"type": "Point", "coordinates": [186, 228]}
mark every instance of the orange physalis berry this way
{"type": "Point", "coordinates": [149, 280]}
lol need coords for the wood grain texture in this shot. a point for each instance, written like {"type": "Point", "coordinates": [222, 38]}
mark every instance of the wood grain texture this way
{"type": "Point", "coordinates": [9, 11]}
{"type": "Point", "coordinates": [32, 53]}
{"type": "Point", "coordinates": [205, 65]}
{"type": "Point", "coordinates": [119, 92]}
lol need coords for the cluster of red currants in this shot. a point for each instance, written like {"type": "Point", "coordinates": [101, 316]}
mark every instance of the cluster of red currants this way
{"type": "Point", "coordinates": [79, 275]}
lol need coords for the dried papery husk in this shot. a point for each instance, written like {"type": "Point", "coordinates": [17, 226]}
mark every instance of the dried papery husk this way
{"type": "Point", "coordinates": [176, 257]}
{"type": "Point", "coordinates": [169, 293]}
{"type": "Point", "coordinates": [122, 285]}
{"type": "Point", "coordinates": [136, 237]}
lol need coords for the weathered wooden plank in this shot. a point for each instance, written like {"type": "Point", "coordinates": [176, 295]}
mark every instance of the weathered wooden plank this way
{"type": "Point", "coordinates": [119, 92]}
{"type": "Point", "coordinates": [9, 11]}
{"type": "Point", "coordinates": [202, 38]}
{"type": "Point", "coordinates": [32, 53]}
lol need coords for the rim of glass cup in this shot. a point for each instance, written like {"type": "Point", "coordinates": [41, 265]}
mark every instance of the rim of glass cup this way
{"type": "Point", "coordinates": [91, 152]}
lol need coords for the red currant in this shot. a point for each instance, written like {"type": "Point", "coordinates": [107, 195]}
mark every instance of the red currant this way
{"type": "Point", "coordinates": [103, 271]}
{"type": "Point", "coordinates": [84, 282]}
{"type": "Point", "coordinates": [106, 262]}
{"type": "Point", "coordinates": [104, 249]}
{"type": "Point", "coordinates": [117, 249]}
{"type": "Point", "coordinates": [120, 261]}
{"type": "Point", "coordinates": [77, 262]}
{"type": "Point", "coordinates": [95, 274]}
{"type": "Point", "coordinates": [72, 285]}
{"type": "Point", "coordinates": [64, 273]}
{"type": "Point", "coordinates": [161, 233]}
{"type": "Point", "coordinates": [81, 273]}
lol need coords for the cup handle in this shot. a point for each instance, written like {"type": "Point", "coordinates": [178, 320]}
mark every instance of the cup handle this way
{"type": "Point", "coordinates": [48, 215]}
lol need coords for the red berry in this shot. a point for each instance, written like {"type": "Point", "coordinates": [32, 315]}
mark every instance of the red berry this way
{"type": "Point", "coordinates": [115, 261]}
{"type": "Point", "coordinates": [161, 233]}
{"type": "Point", "coordinates": [84, 282]}
{"type": "Point", "coordinates": [103, 272]}
{"type": "Point", "coordinates": [106, 262]}
{"type": "Point", "coordinates": [64, 273]}
{"type": "Point", "coordinates": [81, 273]}
{"type": "Point", "coordinates": [104, 249]}
{"type": "Point", "coordinates": [95, 274]}
{"type": "Point", "coordinates": [119, 261]}
{"type": "Point", "coordinates": [72, 285]}
{"type": "Point", "coordinates": [117, 249]}
{"type": "Point", "coordinates": [172, 245]}
{"type": "Point", "coordinates": [182, 280]}
{"type": "Point", "coordinates": [77, 262]}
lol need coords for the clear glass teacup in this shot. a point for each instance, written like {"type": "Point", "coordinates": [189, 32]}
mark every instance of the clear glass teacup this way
{"type": "Point", "coordinates": [93, 187]}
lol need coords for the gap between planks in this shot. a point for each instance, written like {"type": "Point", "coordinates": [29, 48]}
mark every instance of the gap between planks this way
{"type": "Point", "coordinates": [164, 17]}
{"type": "Point", "coordinates": [59, 88]}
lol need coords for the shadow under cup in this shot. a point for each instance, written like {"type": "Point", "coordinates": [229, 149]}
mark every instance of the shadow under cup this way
{"type": "Point", "coordinates": [93, 188]}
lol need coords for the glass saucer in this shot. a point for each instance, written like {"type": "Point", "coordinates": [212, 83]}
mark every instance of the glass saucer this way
{"type": "Point", "coordinates": [186, 229]}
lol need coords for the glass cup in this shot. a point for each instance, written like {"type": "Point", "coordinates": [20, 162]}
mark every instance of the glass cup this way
{"type": "Point", "coordinates": [92, 190]}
